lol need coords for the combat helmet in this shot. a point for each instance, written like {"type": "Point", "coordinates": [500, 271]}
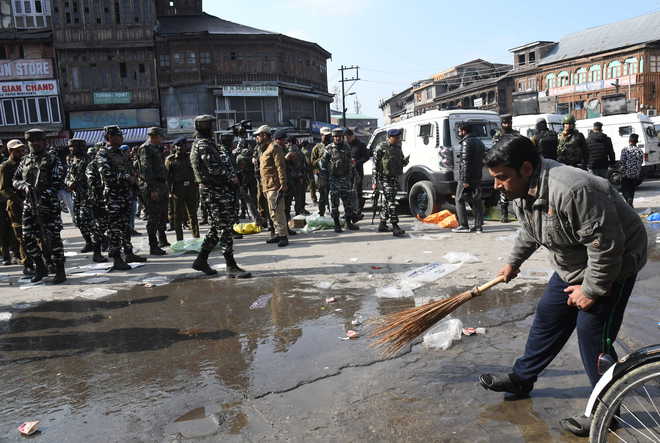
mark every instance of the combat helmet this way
{"type": "Point", "coordinates": [204, 122]}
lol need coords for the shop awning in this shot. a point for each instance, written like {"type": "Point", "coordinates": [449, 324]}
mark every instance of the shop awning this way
{"type": "Point", "coordinates": [131, 135]}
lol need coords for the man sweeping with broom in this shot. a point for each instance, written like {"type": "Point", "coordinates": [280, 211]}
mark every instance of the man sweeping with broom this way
{"type": "Point", "coordinates": [597, 245]}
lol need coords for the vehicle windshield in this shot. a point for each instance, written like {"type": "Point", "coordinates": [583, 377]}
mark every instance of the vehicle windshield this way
{"type": "Point", "coordinates": [480, 129]}
{"type": "Point", "coordinates": [557, 127]}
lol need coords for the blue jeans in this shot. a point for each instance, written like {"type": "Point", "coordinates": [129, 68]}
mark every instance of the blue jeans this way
{"type": "Point", "coordinates": [555, 321]}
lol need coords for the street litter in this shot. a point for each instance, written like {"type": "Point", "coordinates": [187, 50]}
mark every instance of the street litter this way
{"type": "Point", "coordinates": [442, 335]}
{"type": "Point", "coordinates": [298, 222]}
{"type": "Point", "coordinates": [95, 280]}
{"type": "Point", "coordinates": [443, 219]}
{"type": "Point", "coordinates": [247, 228]}
{"type": "Point", "coordinates": [5, 316]}
{"type": "Point", "coordinates": [330, 300]}
{"type": "Point", "coordinates": [325, 284]}
{"type": "Point", "coordinates": [188, 245]}
{"type": "Point", "coordinates": [352, 334]}
{"type": "Point", "coordinates": [30, 285]}
{"type": "Point", "coordinates": [29, 427]}
{"type": "Point", "coordinates": [158, 280]}
{"type": "Point", "coordinates": [461, 257]}
{"type": "Point", "coordinates": [94, 293]}
{"type": "Point", "coordinates": [316, 222]}
{"type": "Point", "coordinates": [429, 237]}
{"type": "Point", "coordinates": [655, 217]}
{"type": "Point", "coordinates": [338, 310]}
{"type": "Point", "coordinates": [375, 268]}
{"type": "Point", "coordinates": [261, 302]}
{"type": "Point", "coordinates": [135, 265]}
{"type": "Point", "coordinates": [473, 331]}
{"type": "Point", "coordinates": [416, 278]}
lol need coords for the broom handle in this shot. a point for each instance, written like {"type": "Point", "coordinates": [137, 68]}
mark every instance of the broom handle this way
{"type": "Point", "coordinates": [483, 288]}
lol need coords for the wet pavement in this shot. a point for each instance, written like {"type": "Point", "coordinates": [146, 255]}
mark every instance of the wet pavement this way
{"type": "Point", "coordinates": [265, 360]}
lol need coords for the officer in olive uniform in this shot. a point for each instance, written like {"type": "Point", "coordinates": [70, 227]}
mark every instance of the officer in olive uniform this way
{"type": "Point", "coordinates": [338, 167]}
{"type": "Point", "coordinates": [506, 130]}
{"type": "Point", "coordinates": [183, 189]}
{"type": "Point", "coordinates": [318, 151]}
{"type": "Point", "coordinates": [39, 176]}
{"type": "Point", "coordinates": [119, 180]}
{"type": "Point", "coordinates": [152, 182]}
{"type": "Point", "coordinates": [215, 173]}
{"type": "Point", "coordinates": [13, 202]}
{"type": "Point", "coordinates": [263, 133]}
{"type": "Point", "coordinates": [76, 183]}
{"type": "Point", "coordinates": [97, 205]}
{"type": "Point", "coordinates": [572, 149]}
{"type": "Point", "coordinates": [295, 173]}
{"type": "Point", "coordinates": [387, 169]}
{"type": "Point", "coordinates": [244, 153]}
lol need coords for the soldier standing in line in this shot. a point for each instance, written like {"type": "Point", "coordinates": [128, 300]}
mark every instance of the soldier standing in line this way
{"type": "Point", "coordinates": [388, 168]}
{"type": "Point", "coordinates": [152, 181]}
{"type": "Point", "coordinates": [272, 170]}
{"type": "Point", "coordinates": [97, 205]}
{"type": "Point", "coordinates": [217, 179]}
{"type": "Point", "coordinates": [263, 141]}
{"type": "Point", "coordinates": [248, 186]}
{"type": "Point", "coordinates": [306, 149]}
{"type": "Point", "coordinates": [506, 130]}
{"type": "Point", "coordinates": [338, 166]}
{"type": "Point", "coordinates": [183, 189]}
{"type": "Point", "coordinates": [360, 155]}
{"type": "Point", "coordinates": [76, 183]}
{"type": "Point", "coordinates": [40, 175]}
{"type": "Point", "coordinates": [13, 202]}
{"type": "Point", "coordinates": [118, 178]}
{"type": "Point", "coordinates": [295, 172]}
{"type": "Point", "coordinates": [572, 149]}
{"type": "Point", "coordinates": [321, 178]}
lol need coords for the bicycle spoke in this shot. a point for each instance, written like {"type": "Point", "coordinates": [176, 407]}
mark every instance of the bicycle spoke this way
{"type": "Point", "coordinates": [646, 411]}
{"type": "Point", "coordinates": [653, 404]}
{"type": "Point", "coordinates": [617, 436]}
{"type": "Point", "coordinates": [632, 428]}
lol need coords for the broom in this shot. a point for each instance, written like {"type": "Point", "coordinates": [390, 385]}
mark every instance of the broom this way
{"type": "Point", "coordinates": [401, 328]}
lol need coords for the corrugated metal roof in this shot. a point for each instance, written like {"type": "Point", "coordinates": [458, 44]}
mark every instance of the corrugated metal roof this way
{"type": "Point", "coordinates": [180, 24]}
{"type": "Point", "coordinates": [131, 135]}
{"type": "Point", "coordinates": [634, 31]}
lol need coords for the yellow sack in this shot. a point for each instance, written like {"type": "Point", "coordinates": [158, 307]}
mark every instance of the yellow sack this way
{"type": "Point", "coordinates": [247, 228]}
{"type": "Point", "coordinates": [449, 222]}
{"type": "Point", "coordinates": [436, 218]}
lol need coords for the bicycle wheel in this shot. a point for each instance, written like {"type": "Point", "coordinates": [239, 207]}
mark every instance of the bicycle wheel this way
{"type": "Point", "coordinates": [629, 411]}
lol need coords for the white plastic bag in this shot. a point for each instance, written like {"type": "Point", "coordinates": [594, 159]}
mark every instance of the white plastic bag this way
{"type": "Point", "coordinates": [461, 257]}
{"type": "Point", "coordinates": [442, 335]}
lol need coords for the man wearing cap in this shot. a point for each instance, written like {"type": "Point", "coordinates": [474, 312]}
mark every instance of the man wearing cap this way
{"type": "Point", "coordinates": [244, 153]}
{"type": "Point", "coordinates": [338, 166]}
{"type": "Point", "coordinates": [360, 155]}
{"type": "Point", "coordinates": [216, 176]}
{"type": "Point", "coordinates": [600, 151]}
{"type": "Point", "coordinates": [505, 131]}
{"type": "Point", "coordinates": [152, 181]}
{"type": "Point", "coordinates": [468, 189]}
{"type": "Point", "coordinates": [183, 188]}
{"type": "Point", "coordinates": [76, 183]}
{"type": "Point", "coordinates": [572, 148]}
{"type": "Point", "coordinates": [119, 181]}
{"type": "Point", "coordinates": [263, 138]}
{"type": "Point", "coordinates": [39, 176]}
{"type": "Point", "coordinates": [387, 169]}
{"type": "Point", "coordinates": [318, 151]}
{"type": "Point", "coordinates": [97, 204]}
{"type": "Point", "coordinates": [545, 140]}
{"type": "Point", "coordinates": [12, 202]}
{"type": "Point", "coordinates": [272, 169]}
{"type": "Point", "coordinates": [296, 172]}
{"type": "Point", "coordinates": [306, 148]}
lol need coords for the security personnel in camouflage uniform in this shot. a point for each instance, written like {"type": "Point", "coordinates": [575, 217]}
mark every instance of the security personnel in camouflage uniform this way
{"type": "Point", "coordinates": [296, 171]}
{"type": "Point", "coordinates": [183, 189]}
{"type": "Point", "coordinates": [118, 178]}
{"type": "Point", "coordinates": [39, 176]}
{"type": "Point", "coordinates": [387, 168]}
{"type": "Point", "coordinates": [152, 182]}
{"type": "Point", "coordinates": [217, 179]}
{"type": "Point", "coordinates": [11, 197]}
{"type": "Point", "coordinates": [97, 205]}
{"type": "Point", "coordinates": [506, 130]}
{"type": "Point", "coordinates": [76, 183]}
{"type": "Point", "coordinates": [244, 153]}
{"type": "Point", "coordinates": [338, 167]}
{"type": "Point", "coordinates": [572, 149]}
{"type": "Point", "coordinates": [318, 151]}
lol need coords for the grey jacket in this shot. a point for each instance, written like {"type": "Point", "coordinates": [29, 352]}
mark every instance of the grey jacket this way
{"type": "Point", "coordinates": [594, 236]}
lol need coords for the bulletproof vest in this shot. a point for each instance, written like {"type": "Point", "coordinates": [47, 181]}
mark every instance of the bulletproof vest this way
{"type": "Point", "coordinates": [391, 162]}
{"type": "Point", "coordinates": [38, 167]}
{"type": "Point", "coordinates": [340, 161]}
{"type": "Point", "coordinates": [119, 161]}
{"type": "Point", "coordinates": [568, 151]}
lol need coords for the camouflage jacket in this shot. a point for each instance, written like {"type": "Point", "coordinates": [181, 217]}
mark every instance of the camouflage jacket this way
{"type": "Point", "coordinates": [377, 171]}
{"type": "Point", "coordinates": [76, 178]}
{"type": "Point", "coordinates": [46, 167]}
{"type": "Point", "coordinates": [115, 169]}
{"type": "Point", "coordinates": [572, 148]}
{"type": "Point", "coordinates": [335, 152]}
{"type": "Point", "coordinates": [94, 181]}
{"type": "Point", "coordinates": [213, 167]}
{"type": "Point", "coordinates": [150, 165]}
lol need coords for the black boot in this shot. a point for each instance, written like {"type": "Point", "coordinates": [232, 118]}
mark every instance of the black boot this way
{"type": "Point", "coordinates": [162, 238]}
{"type": "Point", "coordinates": [291, 231]}
{"type": "Point", "coordinates": [179, 232]}
{"type": "Point", "coordinates": [40, 270]}
{"type": "Point", "coordinates": [98, 257]}
{"type": "Point", "coordinates": [154, 248]}
{"type": "Point", "coordinates": [233, 271]}
{"type": "Point", "coordinates": [350, 225]}
{"type": "Point", "coordinates": [382, 227]}
{"type": "Point", "coordinates": [283, 241]}
{"type": "Point", "coordinates": [132, 258]}
{"type": "Point", "coordinates": [274, 239]}
{"type": "Point", "coordinates": [337, 224]}
{"type": "Point", "coordinates": [60, 275]}
{"type": "Point", "coordinates": [201, 263]}
{"type": "Point", "coordinates": [89, 246]}
{"type": "Point", "coordinates": [397, 231]}
{"type": "Point", "coordinates": [104, 244]}
{"type": "Point", "coordinates": [119, 264]}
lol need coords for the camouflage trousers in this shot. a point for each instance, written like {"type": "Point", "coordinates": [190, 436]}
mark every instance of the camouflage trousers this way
{"type": "Point", "coordinates": [221, 206]}
{"type": "Point", "coordinates": [118, 208]}
{"type": "Point", "coordinates": [389, 186]}
{"type": "Point", "coordinates": [99, 221]}
{"type": "Point", "coordinates": [15, 213]}
{"type": "Point", "coordinates": [83, 216]}
{"type": "Point", "coordinates": [49, 210]}
{"type": "Point", "coordinates": [340, 188]}
{"type": "Point", "coordinates": [155, 209]}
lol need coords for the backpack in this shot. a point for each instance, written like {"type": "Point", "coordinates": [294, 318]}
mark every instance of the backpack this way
{"type": "Point", "coordinates": [340, 162]}
{"type": "Point", "coordinates": [392, 161]}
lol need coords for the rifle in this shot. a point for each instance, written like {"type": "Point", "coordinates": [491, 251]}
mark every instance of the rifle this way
{"type": "Point", "coordinates": [45, 240]}
{"type": "Point", "coordinates": [376, 200]}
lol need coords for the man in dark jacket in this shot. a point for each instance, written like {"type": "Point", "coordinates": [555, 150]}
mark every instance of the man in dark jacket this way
{"type": "Point", "coordinates": [360, 155]}
{"type": "Point", "coordinates": [601, 151]}
{"type": "Point", "coordinates": [545, 140]}
{"type": "Point", "coordinates": [468, 180]}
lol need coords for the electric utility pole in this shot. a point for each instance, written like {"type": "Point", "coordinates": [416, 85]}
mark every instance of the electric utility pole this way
{"type": "Point", "coordinates": [343, 89]}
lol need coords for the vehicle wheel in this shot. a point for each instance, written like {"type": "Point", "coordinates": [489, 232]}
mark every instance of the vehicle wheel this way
{"type": "Point", "coordinates": [422, 199]}
{"type": "Point", "coordinates": [634, 401]}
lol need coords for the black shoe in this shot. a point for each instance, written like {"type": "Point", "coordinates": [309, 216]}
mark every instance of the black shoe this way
{"type": "Point", "coordinates": [284, 241]}
{"type": "Point", "coordinates": [578, 425]}
{"type": "Point", "coordinates": [201, 263]}
{"type": "Point", "coordinates": [155, 250]}
{"type": "Point", "coordinates": [505, 219]}
{"type": "Point", "coordinates": [351, 226]}
{"type": "Point", "coordinates": [104, 244]}
{"type": "Point", "coordinates": [119, 264]}
{"type": "Point", "coordinates": [273, 240]}
{"type": "Point", "coordinates": [382, 227]}
{"type": "Point", "coordinates": [337, 225]}
{"type": "Point", "coordinates": [60, 275]}
{"type": "Point", "coordinates": [236, 235]}
{"type": "Point", "coordinates": [291, 231]}
{"type": "Point", "coordinates": [506, 383]}
{"type": "Point", "coordinates": [40, 270]}
{"type": "Point", "coordinates": [99, 258]}
{"type": "Point", "coordinates": [233, 270]}
{"type": "Point", "coordinates": [397, 231]}
{"type": "Point", "coordinates": [28, 270]}
{"type": "Point", "coordinates": [477, 230]}
{"type": "Point", "coordinates": [461, 230]}
{"type": "Point", "coordinates": [132, 258]}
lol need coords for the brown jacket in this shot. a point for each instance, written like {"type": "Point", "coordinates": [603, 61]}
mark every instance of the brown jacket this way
{"type": "Point", "coordinates": [272, 168]}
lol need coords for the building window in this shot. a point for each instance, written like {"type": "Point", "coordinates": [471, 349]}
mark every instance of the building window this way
{"type": "Point", "coordinates": [563, 79]}
{"type": "Point", "coordinates": [39, 110]}
{"type": "Point", "coordinates": [580, 76]}
{"type": "Point", "coordinates": [595, 73]}
{"type": "Point", "coordinates": [205, 58]}
{"type": "Point", "coordinates": [521, 85]}
{"type": "Point", "coordinates": [8, 112]}
{"type": "Point", "coordinates": [122, 70]}
{"type": "Point", "coordinates": [32, 14]}
{"type": "Point", "coordinates": [178, 58]}
{"type": "Point", "coordinates": [20, 111]}
{"type": "Point", "coordinates": [550, 81]}
{"type": "Point", "coordinates": [164, 60]}
{"type": "Point", "coordinates": [191, 58]}
{"type": "Point", "coordinates": [532, 57]}
{"type": "Point", "coordinates": [654, 63]}
{"type": "Point", "coordinates": [521, 59]}
{"type": "Point", "coordinates": [532, 84]}
{"type": "Point", "coordinates": [614, 70]}
{"type": "Point", "coordinates": [630, 66]}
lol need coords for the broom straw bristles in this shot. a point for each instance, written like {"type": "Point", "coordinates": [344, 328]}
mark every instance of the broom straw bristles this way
{"type": "Point", "coordinates": [401, 328]}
